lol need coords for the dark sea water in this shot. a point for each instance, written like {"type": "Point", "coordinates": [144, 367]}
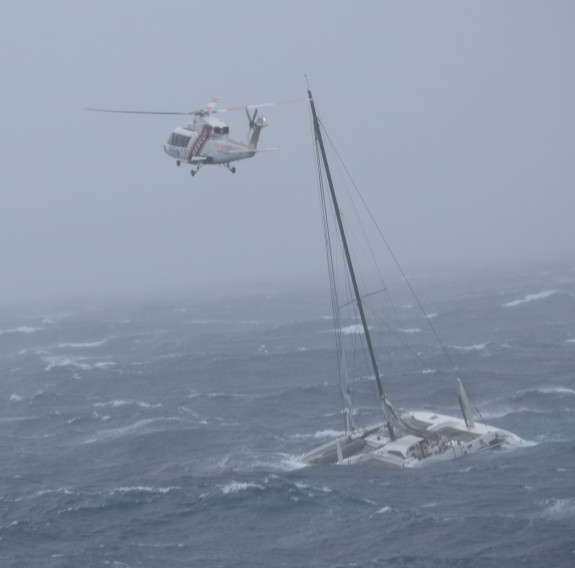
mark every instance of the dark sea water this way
{"type": "Point", "coordinates": [165, 434]}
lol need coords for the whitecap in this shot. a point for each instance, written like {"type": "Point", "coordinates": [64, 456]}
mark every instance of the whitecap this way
{"type": "Point", "coordinates": [545, 390]}
{"type": "Point", "coordinates": [42, 492]}
{"type": "Point", "coordinates": [60, 491]}
{"type": "Point", "coordinates": [104, 365]}
{"type": "Point", "coordinates": [237, 486]}
{"type": "Point", "coordinates": [55, 361]}
{"type": "Point", "coordinates": [145, 489]}
{"type": "Point", "coordinates": [292, 463]}
{"type": "Point", "coordinates": [559, 508]}
{"type": "Point", "coordinates": [411, 330]}
{"type": "Point", "coordinates": [558, 390]}
{"type": "Point", "coordinates": [64, 361]}
{"type": "Point", "coordinates": [21, 329]}
{"type": "Point", "coordinates": [530, 298]}
{"type": "Point", "coordinates": [351, 329]}
{"type": "Point", "coordinates": [120, 402]}
{"type": "Point", "coordinates": [82, 345]}
{"type": "Point", "coordinates": [320, 434]}
{"type": "Point", "coordinates": [476, 347]}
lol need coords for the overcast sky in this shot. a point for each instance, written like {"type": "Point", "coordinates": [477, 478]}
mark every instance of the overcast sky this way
{"type": "Point", "coordinates": [456, 120]}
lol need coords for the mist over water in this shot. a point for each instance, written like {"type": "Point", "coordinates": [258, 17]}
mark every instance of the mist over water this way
{"type": "Point", "coordinates": [455, 122]}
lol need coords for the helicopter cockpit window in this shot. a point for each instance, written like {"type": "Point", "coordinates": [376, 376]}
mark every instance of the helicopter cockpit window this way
{"type": "Point", "coordinates": [178, 140]}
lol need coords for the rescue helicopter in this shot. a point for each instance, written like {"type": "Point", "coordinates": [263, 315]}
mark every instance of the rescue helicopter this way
{"type": "Point", "coordinates": [206, 140]}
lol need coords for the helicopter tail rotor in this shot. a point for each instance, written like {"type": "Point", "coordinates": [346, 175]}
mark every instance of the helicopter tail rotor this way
{"type": "Point", "coordinates": [256, 125]}
{"type": "Point", "coordinates": [252, 123]}
{"type": "Point", "coordinates": [251, 119]}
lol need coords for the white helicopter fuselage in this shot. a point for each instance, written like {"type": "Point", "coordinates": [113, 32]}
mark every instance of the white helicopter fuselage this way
{"type": "Point", "coordinates": [206, 141]}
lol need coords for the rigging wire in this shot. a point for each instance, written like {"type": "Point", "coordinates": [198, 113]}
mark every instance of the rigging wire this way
{"type": "Point", "coordinates": [342, 367]}
{"type": "Point", "coordinates": [392, 254]}
{"type": "Point", "coordinates": [341, 164]}
{"type": "Point", "coordinates": [330, 221]}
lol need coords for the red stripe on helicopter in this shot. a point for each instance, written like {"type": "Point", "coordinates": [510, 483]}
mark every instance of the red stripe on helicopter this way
{"type": "Point", "coordinates": [200, 142]}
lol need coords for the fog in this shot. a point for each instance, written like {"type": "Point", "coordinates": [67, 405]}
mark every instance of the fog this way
{"type": "Point", "coordinates": [456, 120]}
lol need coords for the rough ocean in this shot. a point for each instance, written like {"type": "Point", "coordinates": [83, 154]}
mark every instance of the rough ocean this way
{"type": "Point", "coordinates": [166, 433]}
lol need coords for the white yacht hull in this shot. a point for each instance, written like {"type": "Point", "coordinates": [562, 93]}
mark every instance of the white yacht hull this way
{"type": "Point", "coordinates": [449, 438]}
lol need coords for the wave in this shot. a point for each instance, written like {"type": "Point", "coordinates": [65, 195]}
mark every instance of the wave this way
{"type": "Point", "coordinates": [320, 434]}
{"type": "Point", "coordinates": [530, 298]}
{"type": "Point", "coordinates": [144, 489]}
{"type": "Point", "coordinates": [21, 329]}
{"type": "Point", "coordinates": [411, 330]}
{"type": "Point", "coordinates": [82, 345]}
{"type": "Point", "coordinates": [67, 492]}
{"type": "Point", "coordinates": [224, 395]}
{"type": "Point", "coordinates": [64, 361]}
{"type": "Point", "coordinates": [118, 403]}
{"type": "Point", "coordinates": [304, 487]}
{"type": "Point", "coordinates": [548, 390]}
{"type": "Point", "coordinates": [477, 347]}
{"type": "Point", "coordinates": [383, 510]}
{"type": "Point", "coordinates": [146, 426]}
{"type": "Point", "coordinates": [54, 361]}
{"type": "Point", "coordinates": [291, 463]}
{"type": "Point", "coordinates": [237, 486]}
{"type": "Point", "coordinates": [272, 481]}
{"type": "Point", "coordinates": [352, 329]}
{"type": "Point", "coordinates": [558, 508]}
{"type": "Point", "coordinates": [508, 411]}
{"type": "Point", "coordinates": [537, 392]}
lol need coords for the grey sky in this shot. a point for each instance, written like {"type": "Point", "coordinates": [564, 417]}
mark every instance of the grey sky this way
{"type": "Point", "coordinates": [455, 118]}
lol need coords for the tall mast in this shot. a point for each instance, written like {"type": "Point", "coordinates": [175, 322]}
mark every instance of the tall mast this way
{"type": "Point", "coordinates": [388, 410]}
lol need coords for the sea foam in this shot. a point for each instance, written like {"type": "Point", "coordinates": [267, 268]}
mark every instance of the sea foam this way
{"type": "Point", "coordinates": [530, 298]}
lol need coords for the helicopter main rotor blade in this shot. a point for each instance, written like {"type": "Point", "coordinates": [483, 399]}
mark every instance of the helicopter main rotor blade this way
{"type": "Point", "coordinates": [209, 109]}
{"type": "Point", "coordinates": [249, 107]}
{"type": "Point", "coordinates": [138, 111]}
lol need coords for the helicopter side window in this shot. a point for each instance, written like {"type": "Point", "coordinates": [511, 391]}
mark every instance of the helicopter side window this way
{"type": "Point", "coordinates": [226, 130]}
